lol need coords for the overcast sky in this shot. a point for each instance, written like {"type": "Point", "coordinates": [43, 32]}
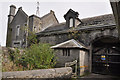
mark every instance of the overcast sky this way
{"type": "Point", "coordinates": [85, 8]}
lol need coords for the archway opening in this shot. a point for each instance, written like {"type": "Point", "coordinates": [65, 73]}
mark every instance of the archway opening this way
{"type": "Point", "coordinates": [106, 56]}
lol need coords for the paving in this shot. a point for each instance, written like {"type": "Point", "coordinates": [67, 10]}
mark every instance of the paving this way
{"type": "Point", "coordinates": [92, 75]}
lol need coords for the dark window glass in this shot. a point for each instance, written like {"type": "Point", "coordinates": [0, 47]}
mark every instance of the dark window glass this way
{"type": "Point", "coordinates": [63, 52]}
{"type": "Point", "coordinates": [66, 52]}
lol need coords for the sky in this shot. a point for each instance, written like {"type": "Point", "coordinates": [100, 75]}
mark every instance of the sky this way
{"type": "Point", "coordinates": [85, 8]}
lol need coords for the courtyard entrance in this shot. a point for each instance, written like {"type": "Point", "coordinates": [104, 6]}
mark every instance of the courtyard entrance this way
{"type": "Point", "coordinates": [106, 56]}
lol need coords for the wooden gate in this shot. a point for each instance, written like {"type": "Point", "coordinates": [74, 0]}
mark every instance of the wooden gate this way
{"type": "Point", "coordinates": [106, 60]}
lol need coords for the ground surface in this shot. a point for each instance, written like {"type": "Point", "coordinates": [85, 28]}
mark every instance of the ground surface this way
{"type": "Point", "coordinates": [99, 76]}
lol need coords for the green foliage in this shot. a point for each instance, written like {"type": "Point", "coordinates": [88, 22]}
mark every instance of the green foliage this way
{"type": "Point", "coordinates": [74, 33]}
{"type": "Point", "coordinates": [14, 54]}
{"type": "Point", "coordinates": [32, 38]}
{"type": "Point", "coordinates": [37, 56]}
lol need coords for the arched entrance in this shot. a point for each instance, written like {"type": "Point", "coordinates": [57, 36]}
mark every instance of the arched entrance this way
{"type": "Point", "coordinates": [106, 56]}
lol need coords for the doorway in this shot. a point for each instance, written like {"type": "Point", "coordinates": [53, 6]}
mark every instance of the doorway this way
{"type": "Point", "coordinates": [106, 56]}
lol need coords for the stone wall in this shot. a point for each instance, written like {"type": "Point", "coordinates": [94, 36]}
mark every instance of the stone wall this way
{"type": "Point", "coordinates": [54, 39]}
{"type": "Point", "coordinates": [62, 59]}
{"type": "Point", "coordinates": [20, 20]}
{"type": "Point", "coordinates": [84, 35]}
{"type": "Point", "coordinates": [75, 54]}
{"type": "Point", "coordinates": [35, 23]}
{"type": "Point", "coordinates": [64, 72]}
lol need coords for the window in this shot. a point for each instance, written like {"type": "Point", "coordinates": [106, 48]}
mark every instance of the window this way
{"type": "Point", "coordinates": [66, 52]}
{"type": "Point", "coordinates": [71, 22]}
{"type": "Point", "coordinates": [35, 28]}
{"type": "Point", "coordinates": [17, 44]}
{"type": "Point", "coordinates": [18, 31]}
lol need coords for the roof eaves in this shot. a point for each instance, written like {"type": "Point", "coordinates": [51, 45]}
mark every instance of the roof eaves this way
{"type": "Point", "coordinates": [72, 40]}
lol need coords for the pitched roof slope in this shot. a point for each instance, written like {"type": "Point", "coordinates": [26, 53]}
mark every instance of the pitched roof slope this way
{"type": "Point", "coordinates": [60, 26]}
{"type": "Point", "coordinates": [69, 44]}
{"type": "Point", "coordinates": [103, 19]}
{"type": "Point", "coordinates": [19, 10]}
{"type": "Point", "coordinates": [107, 19]}
{"type": "Point", "coordinates": [49, 20]}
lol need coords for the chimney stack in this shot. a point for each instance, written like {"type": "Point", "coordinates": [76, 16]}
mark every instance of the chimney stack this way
{"type": "Point", "coordinates": [11, 13]}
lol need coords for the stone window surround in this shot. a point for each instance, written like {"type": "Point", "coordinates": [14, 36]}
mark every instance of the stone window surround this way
{"type": "Point", "coordinates": [18, 30]}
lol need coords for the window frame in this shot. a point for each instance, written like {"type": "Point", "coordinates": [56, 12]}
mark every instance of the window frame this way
{"type": "Point", "coordinates": [66, 52]}
{"type": "Point", "coordinates": [71, 24]}
{"type": "Point", "coordinates": [17, 31]}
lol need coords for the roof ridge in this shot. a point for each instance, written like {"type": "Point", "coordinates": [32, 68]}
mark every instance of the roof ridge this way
{"type": "Point", "coordinates": [20, 8]}
{"type": "Point", "coordinates": [45, 15]}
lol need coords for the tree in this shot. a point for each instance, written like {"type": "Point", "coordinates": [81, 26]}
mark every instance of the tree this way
{"type": "Point", "coordinates": [39, 56]}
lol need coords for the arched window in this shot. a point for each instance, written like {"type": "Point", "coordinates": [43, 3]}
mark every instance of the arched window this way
{"type": "Point", "coordinates": [71, 22]}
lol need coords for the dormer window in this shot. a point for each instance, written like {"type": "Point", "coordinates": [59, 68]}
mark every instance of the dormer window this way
{"type": "Point", "coordinates": [71, 22]}
{"type": "Point", "coordinates": [71, 17]}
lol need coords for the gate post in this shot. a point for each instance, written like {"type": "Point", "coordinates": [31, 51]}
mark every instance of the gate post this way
{"type": "Point", "coordinates": [90, 58]}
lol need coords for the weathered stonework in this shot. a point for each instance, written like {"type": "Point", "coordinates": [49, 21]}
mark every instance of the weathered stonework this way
{"type": "Point", "coordinates": [64, 72]}
{"type": "Point", "coordinates": [86, 35]}
{"type": "Point", "coordinates": [20, 25]}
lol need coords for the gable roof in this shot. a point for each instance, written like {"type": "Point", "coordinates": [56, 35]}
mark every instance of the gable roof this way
{"type": "Point", "coordinates": [69, 44]}
{"type": "Point", "coordinates": [51, 12]}
{"type": "Point", "coordinates": [19, 9]}
{"type": "Point", "coordinates": [71, 11]}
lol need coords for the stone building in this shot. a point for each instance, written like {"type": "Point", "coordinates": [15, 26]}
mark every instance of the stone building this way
{"type": "Point", "coordinates": [70, 51]}
{"type": "Point", "coordinates": [18, 23]}
{"type": "Point", "coordinates": [98, 34]}
{"type": "Point", "coordinates": [94, 41]}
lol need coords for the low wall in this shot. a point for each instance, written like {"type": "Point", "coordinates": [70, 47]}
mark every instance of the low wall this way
{"type": "Point", "coordinates": [64, 72]}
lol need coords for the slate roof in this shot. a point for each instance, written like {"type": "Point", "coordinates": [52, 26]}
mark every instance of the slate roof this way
{"type": "Point", "coordinates": [81, 29]}
{"type": "Point", "coordinates": [60, 26]}
{"type": "Point", "coordinates": [69, 44]}
{"type": "Point", "coordinates": [102, 20]}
